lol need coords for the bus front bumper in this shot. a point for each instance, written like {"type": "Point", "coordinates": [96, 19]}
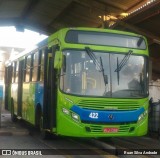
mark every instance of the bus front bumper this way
{"type": "Point", "coordinates": [69, 127]}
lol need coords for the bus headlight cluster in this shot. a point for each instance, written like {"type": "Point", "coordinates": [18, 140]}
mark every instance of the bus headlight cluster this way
{"type": "Point", "coordinates": [74, 116]}
{"type": "Point", "coordinates": [66, 111]}
{"type": "Point", "coordinates": [142, 116]}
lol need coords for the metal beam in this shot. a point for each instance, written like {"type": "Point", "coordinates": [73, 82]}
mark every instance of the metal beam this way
{"type": "Point", "coordinates": [144, 9]}
{"type": "Point", "coordinates": [62, 12]}
{"type": "Point", "coordinates": [108, 3]}
{"type": "Point", "coordinates": [29, 8]}
{"type": "Point", "coordinates": [87, 19]}
{"type": "Point", "coordinates": [137, 14]}
{"type": "Point", "coordinates": [98, 9]}
{"type": "Point", "coordinates": [9, 21]}
{"type": "Point", "coordinates": [138, 30]}
{"type": "Point", "coordinates": [26, 12]}
{"type": "Point", "coordinates": [69, 7]}
{"type": "Point", "coordinates": [135, 5]}
{"type": "Point", "coordinates": [47, 30]}
{"type": "Point", "coordinates": [147, 15]}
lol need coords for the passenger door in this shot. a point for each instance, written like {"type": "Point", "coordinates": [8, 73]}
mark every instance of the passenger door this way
{"type": "Point", "coordinates": [8, 79]}
{"type": "Point", "coordinates": [20, 87]}
{"type": "Point", "coordinates": [50, 91]}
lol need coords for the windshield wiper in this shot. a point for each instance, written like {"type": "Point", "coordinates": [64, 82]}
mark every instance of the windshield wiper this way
{"type": "Point", "coordinates": [105, 77]}
{"type": "Point", "coordinates": [139, 42]}
{"type": "Point", "coordinates": [123, 61]}
{"type": "Point", "coordinates": [117, 71]}
{"type": "Point", "coordinates": [122, 64]}
{"type": "Point", "coordinates": [97, 63]}
{"type": "Point", "coordinates": [94, 58]}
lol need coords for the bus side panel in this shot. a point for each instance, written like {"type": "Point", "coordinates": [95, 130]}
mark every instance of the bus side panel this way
{"type": "Point", "coordinates": [28, 102]}
{"type": "Point", "coordinates": [39, 92]}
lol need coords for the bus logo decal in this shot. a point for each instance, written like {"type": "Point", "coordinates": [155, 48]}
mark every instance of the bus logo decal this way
{"type": "Point", "coordinates": [111, 117]}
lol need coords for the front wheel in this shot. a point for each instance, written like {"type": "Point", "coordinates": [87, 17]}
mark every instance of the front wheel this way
{"type": "Point", "coordinates": [39, 123]}
{"type": "Point", "coordinates": [13, 116]}
{"type": "Point", "coordinates": [44, 133]}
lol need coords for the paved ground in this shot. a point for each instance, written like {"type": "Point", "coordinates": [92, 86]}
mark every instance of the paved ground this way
{"type": "Point", "coordinates": [9, 128]}
{"type": "Point", "coordinates": [15, 136]}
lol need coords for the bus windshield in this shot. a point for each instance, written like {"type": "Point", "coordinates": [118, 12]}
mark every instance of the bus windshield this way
{"type": "Point", "coordinates": [93, 73]}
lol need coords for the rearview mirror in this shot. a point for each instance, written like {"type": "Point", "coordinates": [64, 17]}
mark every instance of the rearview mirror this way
{"type": "Point", "coordinates": [58, 60]}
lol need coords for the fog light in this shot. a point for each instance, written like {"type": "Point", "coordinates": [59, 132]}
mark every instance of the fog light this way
{"type": "Point", "coordinates": [131, 129]}
{"type": "Point", "coordinates": [88, 129]}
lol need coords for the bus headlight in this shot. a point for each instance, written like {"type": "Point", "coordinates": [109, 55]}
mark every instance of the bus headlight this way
{"type": "Point", "coordinates": [75, 116]}
{"type": "Point", "coordinates": [142, 116]}
{"type": "Point", "coordinates": [65, 111]}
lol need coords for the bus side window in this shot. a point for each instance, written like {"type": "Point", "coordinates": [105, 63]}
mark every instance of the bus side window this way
{"type": "Point", "coordinates": [35, 67]}
{"type": "Point", "coordinates": [41, 65]}
{"type": "Point", "coordinates": [28, 69]}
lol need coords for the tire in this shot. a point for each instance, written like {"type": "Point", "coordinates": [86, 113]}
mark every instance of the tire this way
{"type": "Point", "coordinates": [39, 123]}
{"type": "Point", "coordinates": [44, 133]}
{"type": "Point", "coordinates": [38, 116]}
{"type": "Point", "coordinates": [13, 116]}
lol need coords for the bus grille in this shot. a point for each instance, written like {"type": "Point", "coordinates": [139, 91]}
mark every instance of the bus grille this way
{"type": "Point", "coordinates": [99, 129]}
{"type": "Point", "coordinates": [108, 105]}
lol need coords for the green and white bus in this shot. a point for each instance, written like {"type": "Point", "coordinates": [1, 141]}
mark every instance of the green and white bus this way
{"type": "Point", "coordinates": [82, 82]}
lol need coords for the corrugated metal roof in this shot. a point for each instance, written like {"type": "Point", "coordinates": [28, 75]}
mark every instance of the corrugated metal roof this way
{"type": "Point", "coordinates": [47, 16]}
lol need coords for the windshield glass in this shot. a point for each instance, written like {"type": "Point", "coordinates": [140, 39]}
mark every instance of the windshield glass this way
{"type": "Point", "coordinates": [96, 74]}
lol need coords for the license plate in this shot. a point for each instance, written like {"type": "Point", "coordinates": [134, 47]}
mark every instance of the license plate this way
{"type": "Point", "coordinates": [110, 130]}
